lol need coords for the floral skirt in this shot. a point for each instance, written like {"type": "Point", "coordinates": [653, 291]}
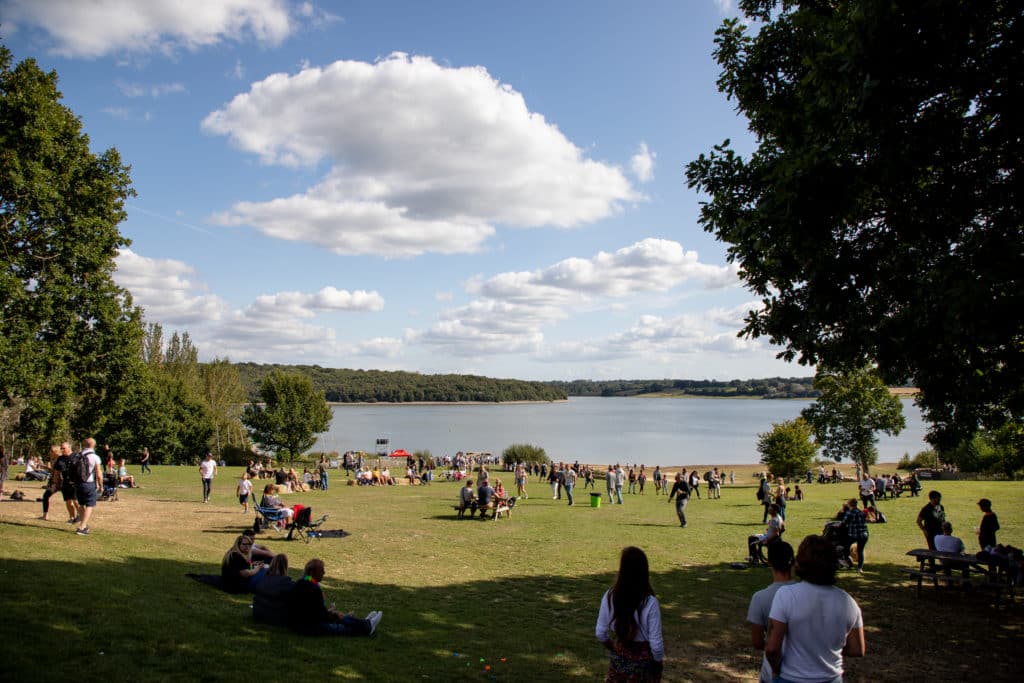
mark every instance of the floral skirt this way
{"type": "Point", "coordinates": [633, 663]}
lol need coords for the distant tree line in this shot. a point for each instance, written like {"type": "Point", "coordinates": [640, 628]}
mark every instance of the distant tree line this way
{"type": "Point", "coordinates": [772, 387]}
{"type": "Point", "coordinates": [379, 386]}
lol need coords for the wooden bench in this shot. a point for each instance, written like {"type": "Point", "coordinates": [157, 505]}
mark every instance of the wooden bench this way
{"type": "Point", "coordinates": [501, 507]}
{"type": "Point", "coordinates": [986, 583]}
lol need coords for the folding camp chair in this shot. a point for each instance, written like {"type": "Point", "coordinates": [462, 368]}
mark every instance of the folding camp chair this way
{"type": "Point", "coordinates": [305, 526]}
{"type": "Point", "coordinates": [269, 518]}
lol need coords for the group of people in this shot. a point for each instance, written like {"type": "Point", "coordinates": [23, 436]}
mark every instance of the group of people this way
{"type": "Point", "coordinates": [484, 498]}
{"type": "Point", "coordinates": [938, 531]}
{"type": "Point", "coordinates": [78, 477]}
{"type": "Point", "coordinates": [805, 628]}
{"type": "Point", "coordinates": [251, 568]}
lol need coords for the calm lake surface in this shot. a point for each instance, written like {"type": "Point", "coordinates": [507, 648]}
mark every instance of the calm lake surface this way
{"type": "Point", "coordinates": [655, 431]}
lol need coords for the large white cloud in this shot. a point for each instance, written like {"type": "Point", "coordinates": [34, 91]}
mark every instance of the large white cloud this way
{"type": "Point", "coordinates": [513, 309]}
{"type": "Point", "coordinates": [649, 265]}
{"type": "Point", "coordinates": [422, 157]}
{"type": "Point", "coordinates": [93, 28]}
{"type": "Point", "coordinates": [272, 327]}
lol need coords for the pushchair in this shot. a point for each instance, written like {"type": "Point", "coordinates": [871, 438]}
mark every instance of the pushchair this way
{"type": "Point", "coordinates": [109, 492]}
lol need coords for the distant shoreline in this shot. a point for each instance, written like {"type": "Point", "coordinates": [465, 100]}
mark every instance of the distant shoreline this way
{"type": "Point", "coordinates": [441, 403]}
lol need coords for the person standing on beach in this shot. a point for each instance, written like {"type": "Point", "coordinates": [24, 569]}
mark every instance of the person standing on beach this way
{"type": "Point", "coordinates": [681, 492]}
{"type": "Point", "coordinates": [207, 471]}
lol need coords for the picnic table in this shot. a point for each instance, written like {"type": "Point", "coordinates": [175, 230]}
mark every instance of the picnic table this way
{"type": "Point", "coordinates": [961, 570]}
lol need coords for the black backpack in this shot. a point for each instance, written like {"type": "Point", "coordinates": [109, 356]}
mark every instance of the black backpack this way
{"type": "Point", "coordinates": [78, 469]}
{"type": "Point", "coordinates": [760, 492]}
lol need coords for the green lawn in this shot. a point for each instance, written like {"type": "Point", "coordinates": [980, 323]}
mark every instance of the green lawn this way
{"type": "Point", "coordinates": [518, 595]}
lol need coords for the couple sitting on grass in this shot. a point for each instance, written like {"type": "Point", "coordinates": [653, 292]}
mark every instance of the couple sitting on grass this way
{"type": "Point", "coordinates": [277, 599]}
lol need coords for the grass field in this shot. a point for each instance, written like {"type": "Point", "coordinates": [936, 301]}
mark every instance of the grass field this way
{"type": "Point", "coordinates": [519, 596]}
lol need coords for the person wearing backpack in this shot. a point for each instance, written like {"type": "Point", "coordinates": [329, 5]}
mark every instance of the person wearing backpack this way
{"type": "Point", "coordinates": [88, 470]}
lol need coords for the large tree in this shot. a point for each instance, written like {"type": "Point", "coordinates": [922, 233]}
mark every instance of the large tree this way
{"type": "Point", "coordinates": [290, 416]}
{"type": "Point", "coordinates": [880, 217]}
{"type": "Point", "coordinates": [852, 408]}
{"type": "Point", "coordinates": [68, 334]}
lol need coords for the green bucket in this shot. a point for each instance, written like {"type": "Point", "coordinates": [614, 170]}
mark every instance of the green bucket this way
{"type": "Point", "coordinates": [595, 499]}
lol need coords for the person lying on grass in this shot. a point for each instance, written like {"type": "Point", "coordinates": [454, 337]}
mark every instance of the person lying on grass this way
{"type": "Point", "coordinates": [308, 613]}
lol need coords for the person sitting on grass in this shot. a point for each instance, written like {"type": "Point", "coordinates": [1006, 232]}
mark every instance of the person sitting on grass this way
{"type": "Point", "coordinates": [238, 570]}
{"type": "Point", "coordinates": [258, 552]}
{"type": "Point", "coordinates": [756, 544]}
{"type": "Point", "coordinates": [308, 613]}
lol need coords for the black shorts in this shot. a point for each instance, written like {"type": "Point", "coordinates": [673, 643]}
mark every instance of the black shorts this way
{"type": "Point", "coordinates": [87, 494]}
{"type": "Point", "coordinates": [68, 491]}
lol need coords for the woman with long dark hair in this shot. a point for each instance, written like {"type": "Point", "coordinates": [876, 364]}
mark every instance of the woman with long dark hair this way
{"type": "Point", "coordinates": [629, 623]}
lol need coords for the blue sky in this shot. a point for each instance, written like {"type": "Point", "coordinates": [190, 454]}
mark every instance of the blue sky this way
{"type": "Point", "coordinates": [469, 187]}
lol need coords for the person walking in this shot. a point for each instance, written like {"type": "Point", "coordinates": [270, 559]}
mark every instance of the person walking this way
{"type": "Point", "coordinates": [570, 482]}
{"type": "Point", "coordinates": [144, 462]}
{"type": "Point", "coordinates": [855, 524]}
{"type": "Point", "coordinates": [207, 471]}
{"type": "Point", "coordinates": [629, 622]}
{"type": "Point", "coordinates": [695, 482]}
{"type": "Point", "coordinates": [620, 480]}
{"type": "Point", "coordinates": [609, 483]}
{"type": "Point", "coordinates": [681, 493]}
{"type": "Point", "coordinates": [780, 559]}
{"type": "Point", "coordinates": [89, 487]}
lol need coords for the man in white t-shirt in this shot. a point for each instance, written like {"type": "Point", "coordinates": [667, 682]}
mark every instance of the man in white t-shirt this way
{"type": "Point", "coordinates": [88, 490]}
{"type": "Point", "coordinates": [946, 542]}
{"type": "Point", "coordinates": [867, 490]}
{"type": "Point", "coordinates": [207, 470]}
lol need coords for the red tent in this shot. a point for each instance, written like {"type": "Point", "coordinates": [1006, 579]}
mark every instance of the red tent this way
{"type": "Point", "coordinates": [400, 453]}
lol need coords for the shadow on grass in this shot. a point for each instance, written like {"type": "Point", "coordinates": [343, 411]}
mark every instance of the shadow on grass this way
{"type": "Point", "coordinates": [142, 619]}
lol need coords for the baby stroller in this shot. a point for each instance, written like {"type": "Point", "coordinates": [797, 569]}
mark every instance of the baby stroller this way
{"type": "Point", "coordinates": [109, 492]}
{"type": "Point", "coordinates": [836, 534]}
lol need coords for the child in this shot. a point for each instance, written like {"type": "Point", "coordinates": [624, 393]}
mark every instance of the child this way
{"type": "Point", "coordinates": [244, 490]}
{"type": "Point", "coordinates": [799, 493]}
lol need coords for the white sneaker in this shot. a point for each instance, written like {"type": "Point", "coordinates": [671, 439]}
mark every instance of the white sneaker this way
{"type": "Point", "coordinates": [374, 618]}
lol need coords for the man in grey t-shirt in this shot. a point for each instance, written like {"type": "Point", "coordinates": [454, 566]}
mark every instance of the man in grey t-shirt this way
{"type": "Point", "coordinates": [780, 559]}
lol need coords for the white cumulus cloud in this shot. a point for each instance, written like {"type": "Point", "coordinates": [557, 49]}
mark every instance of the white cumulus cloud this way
{"type": "Point", "coordinates": [642, 164]}
{"type": "Point", "coordinates": [93, 28]}
{"type": "Point", "coordinates": [423, 157]}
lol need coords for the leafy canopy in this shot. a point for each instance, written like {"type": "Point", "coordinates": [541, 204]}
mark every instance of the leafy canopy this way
{"type": "Point", "coordinates": [853, 406]}
{"type": "Point", "coordinates": [68, 334]}
{"type": "Point", "coordinates": [788, 448]}
{"type": "Point", "coordinates": [880, 217]}
{"type": "Point", "coordinates": [292, 413]}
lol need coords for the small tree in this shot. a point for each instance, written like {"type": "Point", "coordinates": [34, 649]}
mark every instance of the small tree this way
{"type": "Point", "coordinates": [852, 407]}
{"type": "Point", "coordinates": [788, 448]}
{"type": "Point", "coordinates": [290, 416]}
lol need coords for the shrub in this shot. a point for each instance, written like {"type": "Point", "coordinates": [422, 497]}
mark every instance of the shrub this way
{"type": "Point", "coordinates": [926, 458]}
{"type": "Point", "coordinates": [521, 452]}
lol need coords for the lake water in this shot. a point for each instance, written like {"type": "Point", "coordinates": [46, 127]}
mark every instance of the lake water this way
{"type": "Point", "coordinates": [655, 431]}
